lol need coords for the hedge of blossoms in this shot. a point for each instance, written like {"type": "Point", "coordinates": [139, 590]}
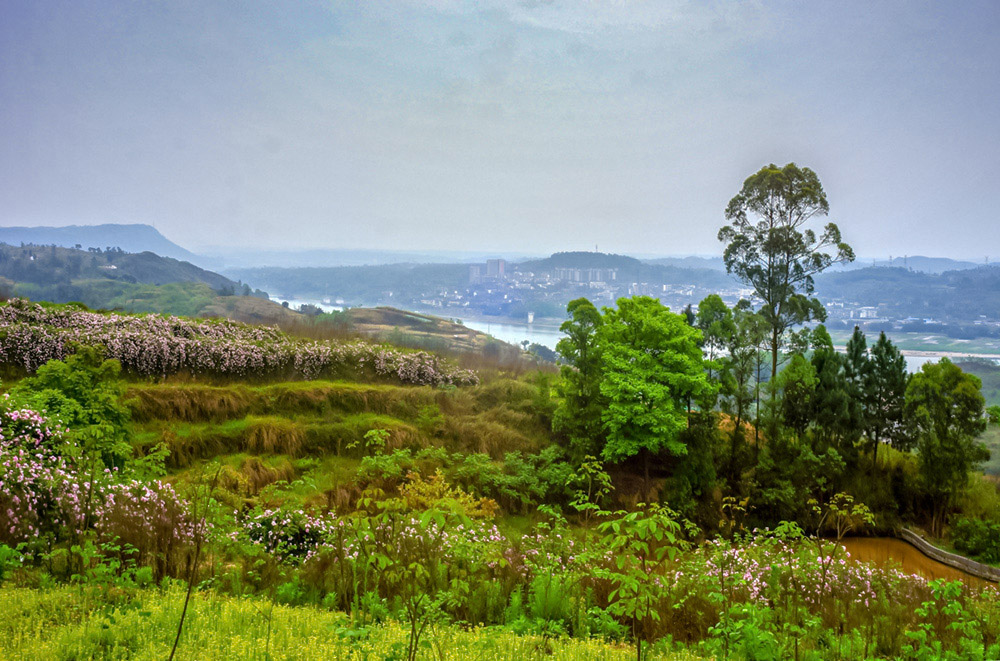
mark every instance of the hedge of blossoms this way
{"type": "Point", "coordinates": [46, 499]}
{"type": "Point", "coordinates": [763, 571]}
{"type": "Point", "coordinates": [151, 345]}
{"type": "Point", "coordinates": [295, 536]}
{"type": "Point", "coordinates": [756, 573]}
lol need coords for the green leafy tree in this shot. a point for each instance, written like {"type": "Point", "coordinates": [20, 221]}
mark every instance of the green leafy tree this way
{"type": "Point", "coordinates": [740, 366]}
{"type": "Point", "coordinates": [837, 423]}
{"type": "Point", "coordinates": [593, 485]}
{"type": "Point", "coordinates": [770, 249]}
{"type": "Point", "coordinates": [884, 396]}
{"type": "Point", "coordinates": [993, 413]}
{"type": "Point", "coordinates": [579, 414]}
{"type": "Point", "coordinates": [944, 411]}
{"type": "Point", "coordinates": [653, 366]}
{"type": "Point", "coordinates": [715, 321]}
{"type": "Point", "coordinates": [797, 384]}
{"type": "Point", "coordinates": [857, 368]}
{"type": "Point", "coordinates": [856, 363]}
{"type": "Point", "coordinates": [641, 543]}
{"type": "Point", "coordinates": [85, 394]}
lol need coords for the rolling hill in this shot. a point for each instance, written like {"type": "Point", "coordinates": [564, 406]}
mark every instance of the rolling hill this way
{"type": "Point", "coordinates": [134, 238]}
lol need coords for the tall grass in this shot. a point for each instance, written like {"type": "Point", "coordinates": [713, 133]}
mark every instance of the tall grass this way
{"type": "Point", "coordinates": [198, 421]}
{"type": "Point", "coordinates": [69, 623]}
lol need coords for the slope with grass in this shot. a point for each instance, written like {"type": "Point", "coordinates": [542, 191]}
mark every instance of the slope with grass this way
{"type": "Point", "coordinates": [314, 434]}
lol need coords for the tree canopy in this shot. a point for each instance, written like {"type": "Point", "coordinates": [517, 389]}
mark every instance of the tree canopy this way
{"type": "Point", "coordinates": [579, 417]}
{"type": "Point", "coordinates": [652, 368]}
{"type": "Point", "coordinates": [944, 412]}
{"type": "Point", "coordinates": [770, 249]}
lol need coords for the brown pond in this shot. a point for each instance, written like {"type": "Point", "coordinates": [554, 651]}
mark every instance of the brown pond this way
{"type": "Point", "coordinates": [885, 550]}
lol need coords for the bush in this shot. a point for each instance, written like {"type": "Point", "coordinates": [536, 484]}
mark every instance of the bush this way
{"type": "Point", "coordinates": [977, 538]}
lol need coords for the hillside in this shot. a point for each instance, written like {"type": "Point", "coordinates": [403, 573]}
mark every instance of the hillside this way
{"type": "Point", "coordinates": [54, 265]}
{"type": "Point", "coordinates": [130, 238]}
{"type": "Point", "coordinates": [140, 282]}
{"type": "Point", "coordinates": [582, 259]}
{"type": "Point", "coordinates": [357, 285]}
{"type": "Point", "coordinates": [962, 294]}
{"type": "Point", "coordinates": [352, 479]}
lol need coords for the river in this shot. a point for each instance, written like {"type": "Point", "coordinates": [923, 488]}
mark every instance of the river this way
{"type": "Point", "coordinates": [885, 550]}
{"type": "Point", "coordinates": [547, 334]}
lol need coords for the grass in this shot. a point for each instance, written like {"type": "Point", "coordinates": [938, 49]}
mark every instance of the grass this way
{"type": "Point", "coordinates": [311, 434]}
{"type": "Point", "coordinates": [196, 402]}
{"type": "Point", "coordinates": [927, 342]}
{"type": "Point", "coordinates": [56, 624]}
{"type": "Point", "coordinates": [991, 438]}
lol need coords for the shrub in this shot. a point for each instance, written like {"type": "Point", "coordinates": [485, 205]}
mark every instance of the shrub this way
{"type": "Point", "coordinates": [977, 538]}
{"type": "Point", "coordinates": [151, 345]}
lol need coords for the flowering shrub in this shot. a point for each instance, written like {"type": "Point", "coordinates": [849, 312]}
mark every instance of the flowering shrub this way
{"type": "Point", "coordinates": [45, 498]}
{"type": "Point", "coordinates": [150, 345]}
{"type": "Point", "coordinates": [40, 495]}
{"type": "Point", "coordinates": [150, 522]}
{"type": "Point", "coordinates": [290, 535]}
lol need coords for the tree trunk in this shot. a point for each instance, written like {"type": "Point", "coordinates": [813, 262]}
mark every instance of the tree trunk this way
{"type": "Point", "coordinates": [732, 448]}
{"type": "Point", "coordinates": [756, 419]}
{"type": "Point", "coordinates": [645, 474]}
{"type": "Point", "coordinates": [774, 357]}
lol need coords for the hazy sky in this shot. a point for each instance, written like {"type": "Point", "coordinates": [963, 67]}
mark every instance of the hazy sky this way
{"type": "Point", "coordinates": [524, 126]}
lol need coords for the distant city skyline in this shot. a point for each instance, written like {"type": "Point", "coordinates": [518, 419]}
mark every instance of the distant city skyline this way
{"type": "Point", "coordinates": [505, 127]}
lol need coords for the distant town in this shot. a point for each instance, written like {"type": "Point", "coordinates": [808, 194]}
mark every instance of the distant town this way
{"type": "Point", "coordinates": [498, 288]}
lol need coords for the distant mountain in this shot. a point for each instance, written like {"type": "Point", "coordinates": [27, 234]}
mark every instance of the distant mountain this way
{"type": "Point", "coordinates": [631, 269]}
{"type": "Point", "coordinates": [582, 260]}
{"type": "Point", "coordinates": [50, 264]}
{"type": "Point", "coordinates": [238, 258]}
{"type": "Point", "coordinates": [935, 265]}
{"type": "Point", "coordinates": [358, 285]}
{"type": "Point", "coordinates": [130, 238]}
{"type": "Point", "coordinates": [961, 294]}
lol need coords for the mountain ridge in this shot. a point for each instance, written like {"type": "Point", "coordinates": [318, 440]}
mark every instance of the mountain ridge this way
{"type": "Point", "coordinates": [132, 238]}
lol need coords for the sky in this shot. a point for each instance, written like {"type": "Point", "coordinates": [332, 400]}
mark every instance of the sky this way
{"type": "Point", "coordinates": [528, 126]}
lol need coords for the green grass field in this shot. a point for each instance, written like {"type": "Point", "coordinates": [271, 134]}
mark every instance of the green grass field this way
{"type": "Point", "coordinates": [64, 623]}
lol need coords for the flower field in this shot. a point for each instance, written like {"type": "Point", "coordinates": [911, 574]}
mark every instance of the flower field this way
{"type": "Point", "coordinates": [159, 346]}
{"type": "Point", "coordinates": [407, 554]}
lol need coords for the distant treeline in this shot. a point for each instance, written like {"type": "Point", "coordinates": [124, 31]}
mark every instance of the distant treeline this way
{"type": "Point", "coordinates": [899, 293]}
{"type": "Point", "coordinates": [96, 275]}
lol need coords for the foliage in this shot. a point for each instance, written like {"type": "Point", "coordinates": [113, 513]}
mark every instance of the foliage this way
{"type": "Point", "coordinates": [715, 321]}
{"type": "Point", "coordinates": [944, 411]}
{"type": "Point", "coordinates": [31, 335]}
{"type": "Point", "coordinates": [579, 413]}
{"type": "Point", "coordinates": [652, 370]}
{"type": "Point", "coordinates": [421, 494]}
{"type": "Point", "coordinates": [642, 543]}
{"type": "Point", "coordinates": [884, 392]}
{"type": "Point", "coordinates": [132, 625]}
{"type": "Point", "coordinates": [993, 413]}
{"type": "Point", "coordinates": [84, 394]}
{"type": "Point", "coordinates": [770, 249]}
{"type": "Point", "coordinates": [835, 403]}
{"type": "Point", "coordinates": [977, 538]}
{"type": "Point", "coordinates": [797, 385]}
